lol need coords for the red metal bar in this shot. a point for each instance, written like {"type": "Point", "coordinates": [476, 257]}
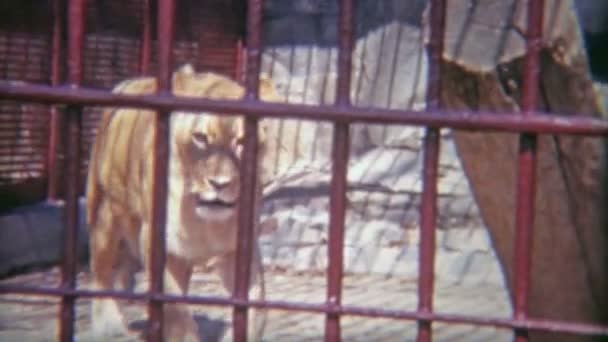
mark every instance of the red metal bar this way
{"type": "Point", "coordinates": [507, 323]}
{"type": "Point", "coordinates": [247, 220]}
{"type": "Point", "coordinates": [428, 206]}
{"type": "Point", "coordinates": [526, 181]}
{"type": "Point", "coordinates": [340, 151]}
{"type": "Point", "coordinates": [146, 39]}
{"type": "Point", "coordinates": [428, 212]}
{"type": "Point", "coordinates": [335, 245]}
{"type": "Point", "coordinates": [76, 17]}
{"type": "Point", "coordinates": [247, 217]}
{"type": "Point", "coordinates": [166, 32]}
{"type": "Point", "coordinates": [254, 47]}
{"type": "Point", "coordinates": [55, 122]}
{"type": "Point", "coordinates": [345, 52]}
{"type": "Point", "coordinates": [239, 64]}
{"type": "Point", "coordinates": [540, 122]}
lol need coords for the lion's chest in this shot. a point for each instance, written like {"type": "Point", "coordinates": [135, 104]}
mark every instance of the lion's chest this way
{"type": "Point", "coordinates": [198, 239]}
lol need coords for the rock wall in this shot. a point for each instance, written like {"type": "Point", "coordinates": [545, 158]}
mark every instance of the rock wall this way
{"type": "Point", "coordinates": [389, 71]}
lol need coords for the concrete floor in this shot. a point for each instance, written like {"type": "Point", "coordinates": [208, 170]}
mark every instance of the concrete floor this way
{"type": "Point", "coordinates": [27, 318]}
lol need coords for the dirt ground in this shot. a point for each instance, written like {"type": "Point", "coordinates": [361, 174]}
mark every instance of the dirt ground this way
{"type": "Point", "coordinates": [33, 318]}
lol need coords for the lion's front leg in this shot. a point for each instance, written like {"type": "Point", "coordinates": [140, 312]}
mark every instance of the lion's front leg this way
{"type": "Point", "coordinates": [106, 317]}
{"type": "Point", "coordinates": [179, 323]}
{"type": "Point", "coordinates": [256, 317]}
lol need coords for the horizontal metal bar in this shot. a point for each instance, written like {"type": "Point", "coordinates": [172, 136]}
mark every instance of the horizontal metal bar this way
{"type": "Point", "coordinates": [540, 122]}
{"type": "Point", "coordinates": [350, 310]}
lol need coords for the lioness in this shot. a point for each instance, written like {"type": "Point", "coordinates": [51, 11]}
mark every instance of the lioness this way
{"type": "Point", "coordinates": [202, 201]}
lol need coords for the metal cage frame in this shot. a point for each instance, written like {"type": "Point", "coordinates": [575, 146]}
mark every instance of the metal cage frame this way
{"type": "Point", "coordinates": [529, 124]}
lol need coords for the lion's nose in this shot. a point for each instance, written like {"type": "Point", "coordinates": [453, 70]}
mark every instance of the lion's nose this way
{"type": "Point", "coordinates": [220, 183]}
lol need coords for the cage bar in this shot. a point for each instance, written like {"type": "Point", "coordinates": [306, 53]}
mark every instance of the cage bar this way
{"type": "Point", "coordinates": [540, 122]}
{"type": "Point", "coordinates": [76, 17]}
{"type": "Point", "coordinates": [335, 270]}
{"type": "Point", "coordinates": [526, 180]}
{"type": "Point", "coordinates": [239, 73]}
{"type": "Point", "coordinates": [52, 164]}
{"type": "Point", "coordinates": [351, 310]}
{"type": "Point", "coordinates": [166, 33]}
{"type": "Point", "coordinates": [146, 39]}
{"type": "Point", "coordinates": [431, 146]}
{"type": "Point", "coordinates": [247, 216]}
{"type": "Point", "coordinates": [338, 186]}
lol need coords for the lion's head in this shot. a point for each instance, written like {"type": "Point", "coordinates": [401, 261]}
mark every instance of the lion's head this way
{"type": "Point", "coordinates": [209, 147]}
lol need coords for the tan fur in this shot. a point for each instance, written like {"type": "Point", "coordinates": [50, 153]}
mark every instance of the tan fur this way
{"type": "Point", "coordinates": [201, 204]}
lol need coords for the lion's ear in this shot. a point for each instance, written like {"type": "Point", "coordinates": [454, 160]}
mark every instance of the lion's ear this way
{"type": "Point", "coordinates": [268, 92]}
{"type": "Point", "coordinates": [181, 77]}
{"type": "Point", "coordinates": [186, 69]}
{"type": "Point", "coordinates": [239, 130]}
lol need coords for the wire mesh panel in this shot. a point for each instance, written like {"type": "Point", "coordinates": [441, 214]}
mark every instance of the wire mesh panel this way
{"type": "Point", "coordinates": [23, 131]}
{"type": "Point", "coordinates": [110, 59]}
{"type": "Point", "coordinates": [113, 48]}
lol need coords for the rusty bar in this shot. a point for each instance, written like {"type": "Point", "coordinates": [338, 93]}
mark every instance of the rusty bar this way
{"type": "Point", "coordinates": [254, 47]}
{"type": "Point", "coordinates": [146, 39]}
{"type": "Point", "coordinates": [505, 323]}
{"type": "Point", "coordinates": [428, 206]}
{"type": "Point", "coordinates": [76, 17]}
{"type": "Point", "coordinates": [166, 30]}
{"type": "Point", "coordinates": [540, 122]}
{"type": "Point", "coordinates": [428, 213]}
{"type": "Point", "coordinates": [53, 165]}
{"type": "Point", "coordinates": [531, 71]}
{"type": "Point", "coordinates": [70, 240]}
{"type": "Point", "coordinates": [239, 63]}
{"type": "Point", "coordinates": [340, 151]}
{"type": "Point", "coordinates": [345, 51]}
{"type": "Point", "coordinates": [526, 180]}
{"type": "Point", "coordinates": [247, 218]}
{"type": "Point", "coordinates": [335, 245]}
{"type": "Point", "coordinates": [165, 36]}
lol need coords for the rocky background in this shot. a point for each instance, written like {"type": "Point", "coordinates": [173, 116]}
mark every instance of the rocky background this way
{"type": "Point", "coordinates": [389, 71]}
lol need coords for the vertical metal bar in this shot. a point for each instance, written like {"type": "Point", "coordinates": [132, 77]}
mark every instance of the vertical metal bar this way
{"type": "Point", "coordinates": [247, 216]}
{"type": "Point", "coordinates": [340, 151]}
{"type": "Point", "coordinates": [428, 208]}
{"type": "Point", "coordinates": [146, 39]}
{"type": "Point", "coordinates": [254, 47]}
{"type": "Point", "coordinates": [55, 124]}
{"type": "Point", "coordinates": [239, 63]}
{"type": "Point", "coordinates": [345, 51]}
{"type": "Point", "coordinates": [526, 181]}
{"type": "Point", "coordinates": [76, 17]}
{"type": "Point", "coordinates": [336, 228]}
{"type": "Point", "coordinates": [166, 30]}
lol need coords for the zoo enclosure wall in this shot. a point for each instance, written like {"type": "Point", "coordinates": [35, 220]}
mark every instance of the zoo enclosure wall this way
{"type": "Point", "coordinates": [33, 49]}
{"type": "Point", "coordinates": [68, 121]}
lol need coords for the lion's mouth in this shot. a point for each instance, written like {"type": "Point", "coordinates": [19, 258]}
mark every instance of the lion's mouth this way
{"type": "Point", "coordinates": [216, 203]}
{"type": "Point", "coordinates": [215, 209]}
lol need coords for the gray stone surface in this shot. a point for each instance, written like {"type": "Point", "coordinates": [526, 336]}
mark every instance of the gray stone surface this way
{"type": "Point", "coordinates": [32, 236]}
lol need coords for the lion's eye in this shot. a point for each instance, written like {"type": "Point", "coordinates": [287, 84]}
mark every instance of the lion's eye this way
{"type": "Point", "coordinates": [200, 139]}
